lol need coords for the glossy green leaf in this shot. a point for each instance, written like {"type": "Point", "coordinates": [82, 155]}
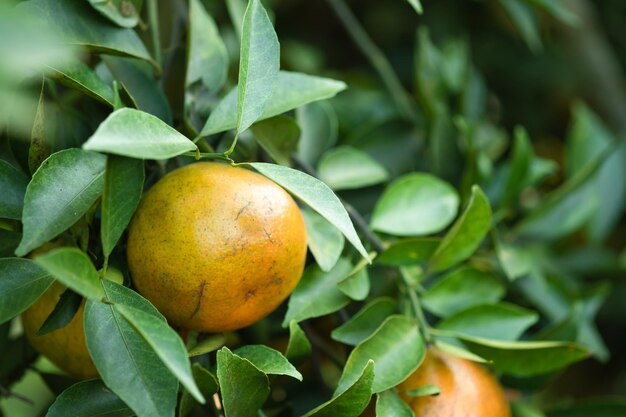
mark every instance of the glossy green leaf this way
{"type": "Point", "coordinates": [455, 348]}
{"type": "Point", "coordinates": [316, 195]}
{"type": "Point", "coordinates": [207, 382]}
{"type": "Point", "coordinates": [207, 59]}
{"type": "Point", "coordinates": [466, 234]}
{"type": "Point", "coordinates": [352, 401]}
{"type": "Point", "coordinates": [166, 344]}
{"type": "Point", "coordinates": [325, 241]}
{"type": "Point", "coordinates": [138, 81]}
{"type": "Point", "coordinates": [524, 359]}
{"type": "Point", "coordinates": [318, 125]}
{"type": "Point", "coordinates": [268, 360]}
{"type": "Point", "coordinates": [72, 268]}
{"type": "Point", "coordinates": [80, 26]}
{"type": "Point", "coordinates": [88, 399]}
{"type": "Point", "coordinates": [417, 5]}
{"type": "Point", "coordinates": [63, 312]}
{"type": "Point", "coordinates": [13, 185]}
{"type": "Point", "coordinates": [123, 184]}
{"type": "Point", "coordinates": [364, 322]}
{"type": "Point", "coordinates": [415, 204]}
{"type": "Point", "coordinates": [124, 359]}
{"type": "Point", "coordinates": [317, 293]}
{"type": "Point", "coordinates": [389, 404]}
{"type": "Point", "coordinates": [209, 344]}
{"type": "Point", "coordinates": [8, 242]}
{"type": "Point", "coordinates": [82, 78]}
{"type": "Point", "coordinates": [521, 157]}
{"type": "Point", "coordinates": [597, 407]}
{"type": "Point", "coordinates": [243, 386]}
{"type": "Point", "coordinates": [525, 19]}
{"type": "Point", "coordinates": [259, 62]}
{"type": "Point", "coordinates": [133, 133]}
{"type": "Point", "coordinates": [298, 347]}
{"type": "Point", "coordinates": [396, 334]}
{"type": "Point", "coordinates": [124, 13]}
{"type": "Point", "coordinates": [498, 321]}
{"type": "Point", "coordinates": [345, 168]}
{"type": "Point", "coordinates": [292, 90]}
{"type": "Point", "coordinates": [278, 136]}
{"type": "Point", "coordinates": [356, 285]}
{"type": "Point", "coordinates": [64, 187]}
{"type": "Point", "coordinates": [460, 289]}
{"type": "Point", "coordinates": [410, 251]}
{"type": "Point", "coordinates": [22, 283]}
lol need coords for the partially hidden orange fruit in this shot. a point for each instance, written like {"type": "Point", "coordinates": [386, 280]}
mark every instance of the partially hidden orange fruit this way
{"type": "Point", "coordinates": [65, 347]}
{"type": "Point", "coordinates": [216, 248]}
{"type": "Point", "coordinates": [467, 389]}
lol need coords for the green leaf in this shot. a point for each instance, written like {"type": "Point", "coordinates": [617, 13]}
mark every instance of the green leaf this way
{"type": "Point", "coordinates": [139, 82]}
{"type": "Point", "coordinates": [461, 289]}
{"type": "Point", "coordinates": [124, 359]}
{"type": "Point", "coordinates": [80, 26]}
{"type": "Point", "coordinates": [425, 391]}
{"type": "Point", "coordinates": [259, 63]}
{"type": "Point", "coordinates": [597, 407]}
{"type": "Point", "coordinates": [396, 334]}
{"type": "Point", "coordinates": [455, 348]}
{"type": "Point", "coordinates": [318, 130]}
{"type": "Point", "coordinates": [389, 404]}
{"type": "Point", "coordinates": [364, 322]}
{"type": "Point", "coordinates": [133, 133]}
{"type": "Point", "coordinates": [466, 234]}
{"type": "Point", "coordinates": [22, 283]}
{"type": "Point", "coordinates": [317, 293]}
{"type": "Point", "coordinates": [209, 344]}
{"type": "Point", "coordinates": [123, 184]}
{"type": "Point", "coordinates": [357, 284]}
{"type": "Point", "coordinates": [325, 241]}
{"type": "Point", "coordinates": [13, 185]}
{"type": "Point", "coordinates": [166, 344]}
{"type": "Point", "coordinates": [298, 347]}
{"type": "Point", "coordinates": [82, 78]}
{"type": "Point", "coordinates": [64, 187]}
{"type": "Point", "coordinates": [72, 268]}
{"type": "Point", "coordinates": [243, 386]}
{"type": "Point", "coordinates": [207, 382]}
{"type": "Point", "coordinates": [524, 359]}
{"type": "Point", "coordinates": [345, 168]}
{"type": "Point", "coordinates": [559, 10]}
{"type": "Point", "coordinates": [352, 401]}
{"type": "Point", "coordinates": [88, 399]}
{"type": "Point", "coordinates": [316, 195]}
{"type": "Point", "coordinates": [525, 19]}
{"type": "Point", "coordinates": [292, 90]}
{"type": "Point", "coordinates": [63, 313]}
{"type": "Point", "coordinates": [268, 360]}
{"type": "Point", "coordinates": [407, 252]}
{"type": "Point", "coordinates": [8, 242]}
{"type": "Point", "coordinates": [236, 10]}
{"type": "Point", "coordinates": [415, 204]}
{"type": "Point", "coordinates": [124, 13]}
{"type": "Point", "coordinates": [498, 321]}
{"type": "Point", "coordinates": [521, 157]}
{"type": "Point", "coordinates": [207, 57]}
{"type": "Point", "coordinates": [40, 141]}
{"type": "Point", "coordinates": [417, 5]}
{"type": "Point", "coordinates": [278, 136]}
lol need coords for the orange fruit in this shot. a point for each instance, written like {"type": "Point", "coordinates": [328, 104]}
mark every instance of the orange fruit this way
{"type": "Point", "coordinates": [65, 347]}
{"type": "Point", "coordinates": [216, 248]}
{"type": "Point", "coordinates": [467, 388]}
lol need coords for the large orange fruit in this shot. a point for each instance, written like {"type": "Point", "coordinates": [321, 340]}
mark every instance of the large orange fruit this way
{"type": "Point", "coordinates": [467, 389]}
{"type": "Point", "coordinates": [65, 347]}
{"type": "Point", "coordinates": [216, 248]}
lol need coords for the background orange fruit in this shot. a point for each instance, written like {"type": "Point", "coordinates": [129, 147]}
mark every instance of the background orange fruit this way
{"type": "Point", "coordinates": [467, 389]}
{"type": "Point", "coordinates": [216, 248]}
{"type": "Point", "coordinates": [65, 347]}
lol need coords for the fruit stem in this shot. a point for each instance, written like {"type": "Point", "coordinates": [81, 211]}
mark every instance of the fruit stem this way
{"type": "Point", "coordinates": [209, 155]}
{"type": "Point", "coordinates": [416, 305]}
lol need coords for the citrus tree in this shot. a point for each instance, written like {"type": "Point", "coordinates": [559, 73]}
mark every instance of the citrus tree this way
{"type": "Point", "coordinates": [309, 208]}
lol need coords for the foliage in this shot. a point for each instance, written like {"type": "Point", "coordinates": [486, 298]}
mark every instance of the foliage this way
{"type": "Point", "coordinates": [458, 148]}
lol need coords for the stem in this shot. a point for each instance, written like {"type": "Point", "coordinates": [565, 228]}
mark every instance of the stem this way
{"type": "Point", "coordinates": [105, 265]}
{"type": "Point", "coordinates": [375, 56]}
{"type": "Point", "coordinates": [416, 305]}
{"type": "Point", "coordinates": [320, 344]}
{"type": "Point", "coordinates": [153, 19]}
{"type": "Point", "coordinates": [8, 393]}
{"type": "Point", "coordinates": [209, 155]}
